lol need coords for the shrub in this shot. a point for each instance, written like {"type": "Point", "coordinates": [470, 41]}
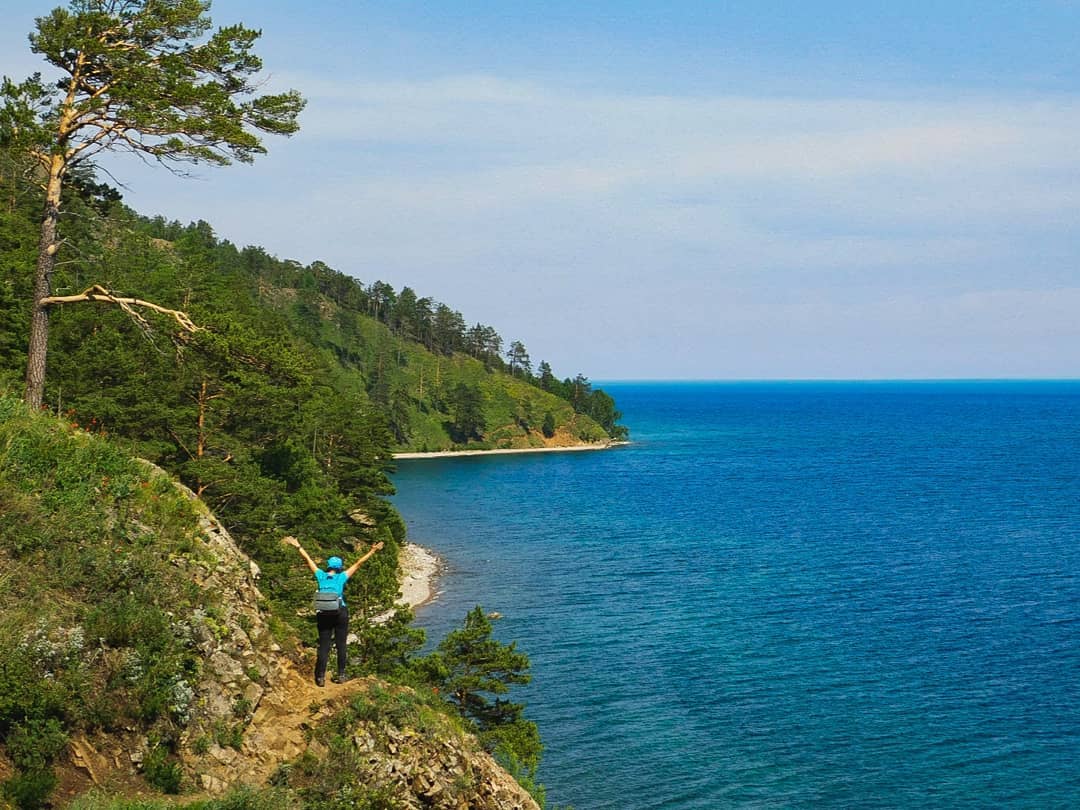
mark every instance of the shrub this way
{"type": "Point", "coordinates": [30, 790]}
{"type": "Point", "coordinates": [548, 428]}
{"type": "Point", "coordinates": [245, 798]}
{"type": "Point", "coordinates": [34, 740]}
{"type": "Point", "coordinates": [242, 798]}
{"type": "Point", "coordinates": [162, 770]}
{"type": "Point", "coordinates": [229, 736]}
{"type": "Point", "coordinates": [386, 647]}
{"type": "Point", "coordinates": [35, 743]}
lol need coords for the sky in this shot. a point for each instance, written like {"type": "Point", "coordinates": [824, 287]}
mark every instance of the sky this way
{"type": "Point", "coordinates": [676, 190]}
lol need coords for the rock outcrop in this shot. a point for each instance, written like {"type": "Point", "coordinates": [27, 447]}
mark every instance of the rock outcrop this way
{"type": "Point", "coordinates": [436, 771]}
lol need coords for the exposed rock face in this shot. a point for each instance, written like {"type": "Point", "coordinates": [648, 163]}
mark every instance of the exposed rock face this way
{"type": "Point", "coordinates": [243, 665]}
{"type": "Point", "coordinates": [362, 519]}
{"type": "Point", "coordinates": [254, 709]}
{"type": "Point", "coordinates": [421, 770]}
{"type": "Point", "coordinates": [442, 772]}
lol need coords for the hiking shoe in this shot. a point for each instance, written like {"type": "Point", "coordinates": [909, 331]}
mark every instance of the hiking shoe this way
{"type": "Point", "coordinates": [320, 681]}
{"type": "Point", "coordinates": [341, 677]}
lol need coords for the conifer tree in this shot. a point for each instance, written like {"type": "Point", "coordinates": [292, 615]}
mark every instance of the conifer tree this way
{"type": "Point", "coordinates": [469, 665]}
{"type": "Point", "coordinates": [548, 428]}
{"type": "Point", "coordinates": [519, 359]}
{"type": "Point", "coordinates": [138, 76]}
{"type": "Point", "coordinates": [467, 412]}
{"type": "Point", "coordinates": [547, 378]}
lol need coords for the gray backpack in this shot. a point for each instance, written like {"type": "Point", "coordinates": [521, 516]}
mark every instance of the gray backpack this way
{"type": "Point", "coordinates": [327, 602]}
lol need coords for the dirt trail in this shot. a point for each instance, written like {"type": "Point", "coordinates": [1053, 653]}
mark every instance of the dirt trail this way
{"type": "Point", "coordinates": [279, 728]}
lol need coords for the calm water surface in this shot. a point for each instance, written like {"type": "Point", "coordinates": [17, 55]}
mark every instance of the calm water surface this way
{"type": "Point", "coordinates": [786, 594]}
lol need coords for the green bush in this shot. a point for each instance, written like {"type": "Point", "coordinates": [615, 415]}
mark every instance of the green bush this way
{"type": "Point", "coordinates": [24, 695]}
{"type": "Point", "coordinates": [162, 770]}
{"type": "Point", "coordinates": [386, 647]}
{"type": "Point", "coordinates": [30, 790]}
{"type": "Point", "coordinates": [229, 736]}
{"type": "Point", "coordinates": [35, 743]}
{"type": "Point", "coordinates": [245, 798]}
{"type": "Point", "coordinates": [125, 620]}
{"type": "Point", "coordinates": [548, 428]}
{"type": "Point", "coordinates": [98, 800]}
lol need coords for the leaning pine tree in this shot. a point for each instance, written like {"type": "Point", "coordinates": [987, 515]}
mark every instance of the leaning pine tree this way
{"type": "Point", "coordinates": [472, 667]}
{"type": "Point", "coordinates": [142, 76]}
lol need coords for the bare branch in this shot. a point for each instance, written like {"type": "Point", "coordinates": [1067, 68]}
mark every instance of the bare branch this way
{"type": "Point", "coordinates": [180, 442]}
{"type": "Point", "coordinates": [112, 177]}
{"type": "Point", "coordinates": [99, 294]}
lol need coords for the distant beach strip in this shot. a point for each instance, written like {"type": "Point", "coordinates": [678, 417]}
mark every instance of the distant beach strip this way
{"type": "Point", "coordinates": [511, 451]}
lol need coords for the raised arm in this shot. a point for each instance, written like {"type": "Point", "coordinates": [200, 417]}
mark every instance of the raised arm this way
{"type": "Point", "coordinates": [352, 568]}
{"type": "Point", "coordinates": [289, 540]}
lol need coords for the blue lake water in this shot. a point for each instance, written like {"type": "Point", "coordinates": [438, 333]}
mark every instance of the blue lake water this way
{"type": "Point", "coordinates": [786, 594]}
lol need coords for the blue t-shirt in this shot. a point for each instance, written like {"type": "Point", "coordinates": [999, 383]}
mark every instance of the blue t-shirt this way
{"type": "Point", "coordinates": [333, 582]}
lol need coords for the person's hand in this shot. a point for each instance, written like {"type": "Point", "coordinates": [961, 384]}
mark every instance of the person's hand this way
{"type": "Point", "coordinates": [289, 540]}
{"type": "Point", "coordinates": [377, 546]}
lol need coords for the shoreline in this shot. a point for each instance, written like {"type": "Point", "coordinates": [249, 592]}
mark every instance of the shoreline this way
{"type": "Point", "coordinates": [508, 451]}
{"type": "Point", "coordinates": [419, 570]}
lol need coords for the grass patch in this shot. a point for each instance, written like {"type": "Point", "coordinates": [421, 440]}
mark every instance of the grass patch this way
{"type": "Point", "coordinates": [103, 645]}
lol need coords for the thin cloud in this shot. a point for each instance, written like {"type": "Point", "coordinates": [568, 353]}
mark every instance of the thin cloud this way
{"type": "Point", "coordinates": [824, 223]}
{"type": "Point", "coordinates": [516, 143]}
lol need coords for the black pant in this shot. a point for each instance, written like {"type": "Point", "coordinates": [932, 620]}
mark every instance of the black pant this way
{"type": "Point", "coordinates": [332, 627]}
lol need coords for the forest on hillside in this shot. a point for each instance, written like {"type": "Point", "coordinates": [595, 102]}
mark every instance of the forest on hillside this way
{"type": "Point", "coordinates": [282, 410]}
{"type": "Point", "coordinates": [258, 381]}
{"type": "Point", "coordinates": [296, 373]}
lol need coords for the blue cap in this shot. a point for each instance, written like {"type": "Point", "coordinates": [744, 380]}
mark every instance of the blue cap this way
{"type": "Point", "coordinates": [335, 562]}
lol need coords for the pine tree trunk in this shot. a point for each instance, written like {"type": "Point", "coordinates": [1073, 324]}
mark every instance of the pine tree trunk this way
{"type": "Point", "coordinates": [200, 439]}
{"type": "Point", "coordinates": [46, 262]}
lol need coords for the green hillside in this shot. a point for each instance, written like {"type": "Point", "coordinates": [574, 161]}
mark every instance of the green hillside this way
{"type": "Point", "coordinates": [89, 636]}
{"type": "Point", "coordinates": [422, 372]}
{"type": "Point", "coordinates": [140, 658]}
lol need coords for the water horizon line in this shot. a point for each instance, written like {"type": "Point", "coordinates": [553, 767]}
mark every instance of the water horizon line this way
{"type": "Point", "coordinates": [839, 380]}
